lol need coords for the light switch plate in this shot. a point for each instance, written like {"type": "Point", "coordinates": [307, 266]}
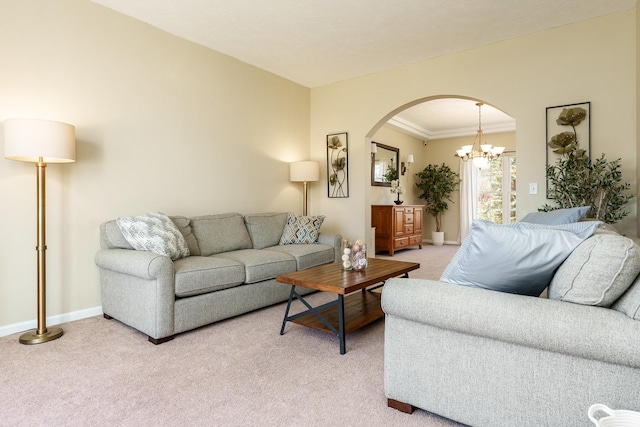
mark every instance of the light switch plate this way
{"type": "Point", "coordinates": [533, 188]}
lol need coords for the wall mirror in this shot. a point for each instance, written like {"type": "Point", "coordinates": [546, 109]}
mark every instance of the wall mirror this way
{"type": "Point", "coordinates": [382, 159]}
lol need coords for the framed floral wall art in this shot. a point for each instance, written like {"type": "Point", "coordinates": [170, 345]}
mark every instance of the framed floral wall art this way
{"type": "Point", "coordinates": [568, 132]}
{"type": "Point", "coordinates": [338, 165]}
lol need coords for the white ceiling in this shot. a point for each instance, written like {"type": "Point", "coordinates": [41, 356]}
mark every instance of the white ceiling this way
{"type": "Point", "coordinates": [317, 42]}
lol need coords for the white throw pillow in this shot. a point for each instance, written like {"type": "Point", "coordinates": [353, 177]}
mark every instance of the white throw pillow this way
{"type": "Point", "coordinates": [154, 232]}
{"type": "Point", "coordinates": [518, 258]}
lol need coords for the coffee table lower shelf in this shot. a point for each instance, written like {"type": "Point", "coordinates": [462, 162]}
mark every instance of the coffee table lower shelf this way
{"type": "Point", "coordinates": [360, 309]}
{"type": "Point", "coordinates": [338, 317]}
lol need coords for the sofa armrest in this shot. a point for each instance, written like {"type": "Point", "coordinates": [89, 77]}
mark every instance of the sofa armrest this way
{"type": "Point", "coordinates": [142, 264]}
{"type": "Point", "coordinates": [584, 331]}
{"type": "Point", "coordinates": [138, 289]}
{"type": "Point", "coordinates": [334, 240]}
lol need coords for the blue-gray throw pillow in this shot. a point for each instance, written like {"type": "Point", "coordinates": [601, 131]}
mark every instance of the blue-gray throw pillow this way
{"type": "Point", "coordinates": [518, 258]}
{"type": "Point", "coordinates": [558, 216]}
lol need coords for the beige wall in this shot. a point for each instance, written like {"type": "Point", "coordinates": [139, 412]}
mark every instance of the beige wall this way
{"type": "Point", "coordinates": [591, 61]}
{"type": "Point", "coordinates": [162, 124]}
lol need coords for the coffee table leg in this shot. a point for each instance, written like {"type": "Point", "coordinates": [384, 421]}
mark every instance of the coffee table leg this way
{"type": "Point", "coordinates": [341, 324]}
{"type": "Point", "coordinates": [286, 312]}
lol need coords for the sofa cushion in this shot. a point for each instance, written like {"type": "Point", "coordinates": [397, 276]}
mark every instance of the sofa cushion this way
{"type": "Point", "coordinates": [197, 275]}
{"type": "Point", "coordinates": [598, 271]}
{"type": "Point", "coordinates": [517, 258]}
{"type": "Point", "coordinates": [558, 216]}
{"type": "Point", "coordinates": [261, 264]}
{"type": "Point", "coordinates": [265, 229]}
{"type": "Point", "coordinates": [307, 256]}
{"type": "Point", "coordinates": [301, 229]}
{"type": "Point", "coordinates": [154, 232]}
{"type": "Point", "coordinates": [184, 225]}
{"type": "Point", "coordinates": [629, 302]}
{"type": "Point", "coordinates": [220, 233]}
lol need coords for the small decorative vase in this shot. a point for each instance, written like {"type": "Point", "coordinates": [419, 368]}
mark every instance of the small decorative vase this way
{"type": "Point", "coordinates": [398, 201]}
{"type": "Point", "coordinates": [359, 256]}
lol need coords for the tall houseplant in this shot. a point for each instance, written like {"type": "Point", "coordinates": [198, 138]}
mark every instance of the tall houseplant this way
{"type": "Point", "coordinates": [436, 184]}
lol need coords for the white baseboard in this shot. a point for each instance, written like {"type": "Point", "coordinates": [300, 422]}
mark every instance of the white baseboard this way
{"type": "Point", "coordinates": [52, 320]}
{"type": "Point", "coordinates": [446, 242]}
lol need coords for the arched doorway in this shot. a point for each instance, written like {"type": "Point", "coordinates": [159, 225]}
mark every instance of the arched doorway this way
{"type": "Point", "coordinates": [431, 130]}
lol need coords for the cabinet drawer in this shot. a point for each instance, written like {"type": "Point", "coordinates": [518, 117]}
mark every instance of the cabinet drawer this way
{"type": "Point", "coordinates": [408, 210]}
{"type": "Point", "coordinates": [408, 218]}
{"type": "Point", "coordinates": [400, 243]}
{"type": "Point", "coordinates": [416, 239]}
{"type": "Point", "coordinates": [408, 229]}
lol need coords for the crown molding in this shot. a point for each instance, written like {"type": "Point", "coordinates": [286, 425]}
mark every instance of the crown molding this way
{"type": "Point", "coordinates": [412, 129]}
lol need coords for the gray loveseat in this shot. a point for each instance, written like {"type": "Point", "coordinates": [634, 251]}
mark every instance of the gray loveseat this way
{"type": "Point", "coordinates": [487, 358]}
{"type": "Point", "coordinates": [231, 270]}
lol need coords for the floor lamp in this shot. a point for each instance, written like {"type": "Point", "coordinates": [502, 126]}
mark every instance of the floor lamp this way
{"type": "Point", "coordinates": [40, 142]}
{"type": "Point", "coordinates": [305, 171]}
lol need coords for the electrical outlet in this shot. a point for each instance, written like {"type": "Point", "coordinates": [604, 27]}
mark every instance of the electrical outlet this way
{"type": "Point", "coordinates": [533, 188]}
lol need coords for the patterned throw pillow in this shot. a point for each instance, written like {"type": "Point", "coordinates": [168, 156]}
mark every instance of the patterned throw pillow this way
{"type": "Point", "coordinates": [301, 229]}
{"type": "Point", "coordinates": [154, 232]}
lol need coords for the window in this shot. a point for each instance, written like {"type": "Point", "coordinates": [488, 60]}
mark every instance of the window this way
{"type": "Point", "coordinates": [496, 191]}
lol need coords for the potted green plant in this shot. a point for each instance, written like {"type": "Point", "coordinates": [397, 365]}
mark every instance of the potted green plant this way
{"type": "Point", "coordinates": [436, 184]}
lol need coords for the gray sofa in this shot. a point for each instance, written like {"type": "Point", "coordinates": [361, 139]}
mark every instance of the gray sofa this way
{"type": "Point", "coordinates": [487, 358]}
{"type": "Point", "coordinates": [231, 270]}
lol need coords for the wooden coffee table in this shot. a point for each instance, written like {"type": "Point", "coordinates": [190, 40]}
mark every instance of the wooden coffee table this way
{"type": "Point", "coordinates": [351, 310]}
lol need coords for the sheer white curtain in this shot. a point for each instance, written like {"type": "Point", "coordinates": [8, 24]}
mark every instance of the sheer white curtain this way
{"type": "Point", "coordinates": [468, 197]}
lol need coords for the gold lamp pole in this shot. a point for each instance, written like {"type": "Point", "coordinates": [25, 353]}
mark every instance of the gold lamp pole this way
{"type": "Point", "coordinates": [42, 142]}
{"type": "Point", "coordinates": [305, 172]}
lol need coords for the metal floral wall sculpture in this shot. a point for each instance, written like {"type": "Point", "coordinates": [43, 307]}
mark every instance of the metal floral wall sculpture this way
{"type": "Point", "coordinates": [337, 165]}
{"type": "Point", "coordinates": [562, 142]}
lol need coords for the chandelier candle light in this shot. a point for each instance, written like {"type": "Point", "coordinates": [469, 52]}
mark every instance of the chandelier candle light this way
{"type": "Point", "coordinates": [480, 152]}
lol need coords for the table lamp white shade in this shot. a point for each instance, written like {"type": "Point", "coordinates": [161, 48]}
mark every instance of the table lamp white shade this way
{"type": "Point", "coordinates": [28, 140]}
{"type": "Point", "coordinates": [305, 171]}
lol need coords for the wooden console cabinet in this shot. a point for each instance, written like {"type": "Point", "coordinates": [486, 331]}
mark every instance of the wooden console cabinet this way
{"type": "Point", "coordinates": [397, 226]}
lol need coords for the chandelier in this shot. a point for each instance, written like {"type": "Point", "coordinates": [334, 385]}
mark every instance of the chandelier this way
{"type": "Point", "coordinates": [480, 152]}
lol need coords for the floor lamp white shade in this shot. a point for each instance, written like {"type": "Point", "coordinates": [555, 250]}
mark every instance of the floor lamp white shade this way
{"type": "Point", "coordinates": [28, 140]}
{"type": "Point", "coordinates": [40, 142]}
{"type": "Point", "coordinates": [304, 171]}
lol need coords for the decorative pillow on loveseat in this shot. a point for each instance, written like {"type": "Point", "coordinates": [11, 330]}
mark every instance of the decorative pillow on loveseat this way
{"type": "Point", "coordinates": [629, 302]}
{"type": "Point", "coordinates": [557, 216]}
{"type": "Point", "coordinates": [154, 232]}
{"type": "Point", "coordinates": [598, 271]}
{"type": "Point", "coordinates": [518, 258]}
{"type": "Point", "coordinates": [301, 229]}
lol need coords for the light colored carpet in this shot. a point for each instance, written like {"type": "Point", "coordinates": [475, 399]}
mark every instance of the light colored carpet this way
{"type": "Point", "coordinates": [239, 372]}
